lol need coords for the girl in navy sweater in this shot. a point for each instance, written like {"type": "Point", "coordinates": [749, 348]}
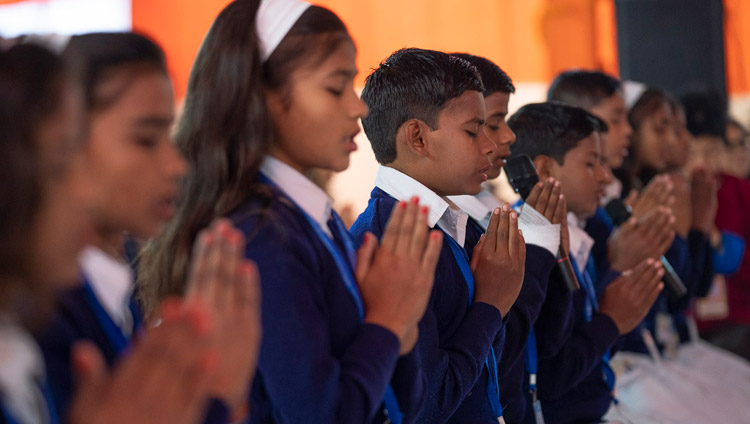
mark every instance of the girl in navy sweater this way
{"type": "Point", "coordinates": [136, 169]}
{"type": "Point", "coordinates": [46, 197]}
{"type": "Point", "coordinates": [271, 97]}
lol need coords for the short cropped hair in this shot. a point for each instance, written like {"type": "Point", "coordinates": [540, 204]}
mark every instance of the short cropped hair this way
{"type": "Point", "coordinates": [551, 129]}
{"type": "Point", "coordinates": [495, 80]}
{"type": "Point", "coordinates": [412, 84]}
{"type": "Point", "coordinates": [585, 89]}
{"type": "Point", "coordinates": [705, 112]}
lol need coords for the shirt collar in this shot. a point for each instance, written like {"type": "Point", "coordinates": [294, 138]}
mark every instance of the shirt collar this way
{"type": "Point", "coordinates": [308, 196]}
{"type": "Point", "coordinates": [479, 207]}
{"type": "Point", "coordinates": [403, 187]}
{"type": "Point", "coordinates": [580, 242]}
{"type": "Point", "coordinates": [112, 283]}
{"type": "Point", "coordinates": [21, 366]}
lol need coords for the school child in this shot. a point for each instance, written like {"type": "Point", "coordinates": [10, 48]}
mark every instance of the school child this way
{"type": "Point", "coordinates": [543, 222]}
{"type": "Point", "coordinates": [426, 115]}
{"type": "Point", "coordinates": [45, 221]}
{"type": "Point", "coordinates": [271, 97]}
{"type": "Point", "coordinates": [575, 383]}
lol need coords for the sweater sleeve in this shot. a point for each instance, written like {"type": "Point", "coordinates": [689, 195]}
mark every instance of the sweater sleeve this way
{"type": "Point", "coordinates": [305, 379]}
{"type": "Point", "coordinates": [579, 355]}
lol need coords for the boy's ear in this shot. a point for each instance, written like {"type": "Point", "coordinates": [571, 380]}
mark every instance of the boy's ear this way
{"type": "Point", "coordinates": [545, 166]}
{"type": "Point", "coordinates": [414, 132]}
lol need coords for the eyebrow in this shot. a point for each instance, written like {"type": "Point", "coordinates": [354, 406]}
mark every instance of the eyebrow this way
{"type": "Point", "coordinates": [154, 121]}
{"type": "Point", "coordinates": [498, 115]}
{"type": "Point", "coordinates": [478, 121]}
{"type": "Point", "coordinates": [348, 73]}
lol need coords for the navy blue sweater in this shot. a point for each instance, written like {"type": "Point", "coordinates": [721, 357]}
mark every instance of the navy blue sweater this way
{"type": "Point", "coordinates": [75, 320]}
{"type": "Point", "coordinates": [454, 337]}
{"type": "Point", "coordinates": [318, 363]}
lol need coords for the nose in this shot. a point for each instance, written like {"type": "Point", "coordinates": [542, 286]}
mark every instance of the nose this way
{"type": "Point", "coordinates": [174, 163]}
{"type": "Point", "coordinates": [486, 145]}
{"type": "Point", "coordinates": [508, 137]}
{"type": "Point", "coordinates": [358, 109]}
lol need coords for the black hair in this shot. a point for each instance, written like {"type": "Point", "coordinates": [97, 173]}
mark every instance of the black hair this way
{"type": "Point", "coordinates": [551, 129]}
{"type": "Point", "coordinates": [705, 112]}
{"type": "Point", "coordinates": [102, 53]}
{"type": "Point", "coordinates": [412, 84]}
{"type": "Point", "coordinates": [647, 104]}
{"type": "Point", "coordinates": [495, 80]}
{"type": "Point", "coordinates": [585, 89]}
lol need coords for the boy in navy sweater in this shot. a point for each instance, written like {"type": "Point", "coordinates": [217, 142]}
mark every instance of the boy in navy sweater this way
{"type": "Point", "coordinates": [574, 379]}
{"type": "Point", "coordinates": [426, 115]}
{"type": "Point", "coordinates": [544, 227]}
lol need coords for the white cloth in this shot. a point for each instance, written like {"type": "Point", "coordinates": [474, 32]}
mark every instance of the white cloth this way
{"type": "Point", "coordinates": [612, 190]}
{"type": "Point", "coordinates": [403, 187]}
{"type": "Point", "coordinates": [112, 283]}
{"type": "Point", "coordinates": [274, 20]}
{"type": "Point", "coordinates": [580, 242]}
{"type": "Point", "coordinates": [537, 229]}
{"type": "Point", "coordinates": [703, 385]}
{"type": "Point", "coordinates": [21, 367]}
{"type": "Point", "coordinates": [308, 196]}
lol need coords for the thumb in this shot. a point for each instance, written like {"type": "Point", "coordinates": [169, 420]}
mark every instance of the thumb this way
{"type": "Point", "coordinates": [365, 255]}
{"type": "Point", "coordinates": [632, 197]}
{"type": "Point", "coordinates": [90, 371]}
{"type": "Point", "coordinates": [477, 253]}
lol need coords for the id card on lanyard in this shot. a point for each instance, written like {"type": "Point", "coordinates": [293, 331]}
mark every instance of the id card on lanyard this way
{"type": "Point", "coordinates": [531, 362]}
{"type": "Point", "coordinates": [346, 264]}
{"type": "Point", "coordinates": [493, 390]}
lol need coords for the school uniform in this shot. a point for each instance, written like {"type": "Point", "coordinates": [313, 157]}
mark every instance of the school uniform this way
{"type": "Point", "coordinates": [319, 362]}
{"type": "Point", "coordinates": [576, 384]}
{"type": "Point", "coordinates": [460, 341]}
{"type": "Point", "coordinates": [102, 311]}
{"type": "Point", "coordinates": [542, 242]}
{"type": "Point", "coordinates": [25, 397]}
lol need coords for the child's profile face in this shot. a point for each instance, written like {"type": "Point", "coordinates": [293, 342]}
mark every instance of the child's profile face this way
{"type": "Point", "coordinates": [62, 224]}
{"type": "Point", "coordinates": [135, 164]}
{"type": "Point", "coordinates": [582, 176]}
{"type": "Point", "coordinates": [317, 116]}
{"type": "Point", "coordinates": [614, 112]}
{"type": "Point", "coordinates": [655, 138]}
{"type": "Point", "coordinates": [460, 148]}
{"type": "Point", "coordinates": [498, 131]}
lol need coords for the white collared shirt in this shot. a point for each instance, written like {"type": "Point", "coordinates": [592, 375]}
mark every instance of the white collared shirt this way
{"type": "Point", "coordinates": [580, 242]}
{"type": "Point", "coordinates": [403, 187]}
{"type": "Point", "coordinates": [537, 229]}
{"type": "Point", "coordinates": [308, 196]}
{"type": "Point", "coordinates": [112, 283]}
{"type": "Point", "coordinates": [21, 366]}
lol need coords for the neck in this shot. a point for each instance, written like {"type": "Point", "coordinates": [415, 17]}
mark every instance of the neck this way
{"type": "Point", "coordinates": [110, 241]}
{"type": "Point", "coordinates": [282, 156]}
{"type": "Point", "coordinates": [419, 174]}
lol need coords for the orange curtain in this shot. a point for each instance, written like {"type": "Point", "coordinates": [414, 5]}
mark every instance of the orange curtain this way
{"type": "Point", "coordinates": [531, 39]}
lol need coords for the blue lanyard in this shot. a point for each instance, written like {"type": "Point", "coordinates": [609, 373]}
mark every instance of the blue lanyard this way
{"type": "Point", "coordinates": [591, 305]}
{"type": "Point", "coordinates": [346, 269]}
{"type": "Point", "coordinates": [112, 331]}
{"type": "Point", "coordinates": [531, 361]}
{"type": "Point", "coordinates": [493, 389]}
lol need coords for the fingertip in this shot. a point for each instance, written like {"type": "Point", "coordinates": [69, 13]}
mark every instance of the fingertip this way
{"type": "Point", "coordinates": [424, 210]}
{"type": "Point", "coordinates": [414, 200]}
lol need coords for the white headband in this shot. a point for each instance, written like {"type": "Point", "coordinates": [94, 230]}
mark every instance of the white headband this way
{"type": "Point", "coordinates": [274, 20]}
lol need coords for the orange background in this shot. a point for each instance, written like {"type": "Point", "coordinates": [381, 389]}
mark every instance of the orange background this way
{"type": "Point", "coordinates": [531, 39]}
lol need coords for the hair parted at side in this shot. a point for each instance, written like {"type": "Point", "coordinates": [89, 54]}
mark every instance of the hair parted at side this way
{"type": "Point", "coordinates": [551, 129]}
{"type": "Point", "coordinates": [100, 54]}
{"type": "Point", "coordinates": [584, 89]}
{"type": "Point", "coordinates": [226, 130]}
{"type": "Point", "coordinates": [495, 80]}
{"type": "Point", "coordinates": [412, 84]}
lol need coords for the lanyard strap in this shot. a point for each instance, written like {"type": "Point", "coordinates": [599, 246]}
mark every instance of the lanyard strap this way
{"type": "Point", "coordinates": [591, 305]}
{"type": "Point", "coordinates": [493, 389]}
{"type": "Point", "coordinates": [531, 361]}
{"type": "Point", "coordinates": [114, 334]}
